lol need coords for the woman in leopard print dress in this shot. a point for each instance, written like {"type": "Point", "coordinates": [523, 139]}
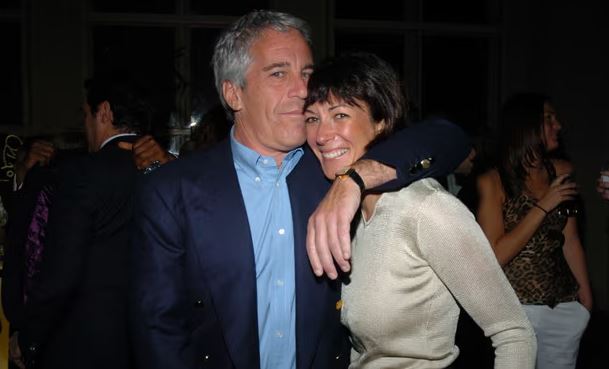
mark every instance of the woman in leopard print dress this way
{"type": "Point", "coordinates": [535, 239]}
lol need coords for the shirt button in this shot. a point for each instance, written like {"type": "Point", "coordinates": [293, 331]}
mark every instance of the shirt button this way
{"type": "Point", "coordinates": [281, 231]}
{"type": "Point", "coordinates": [265, 161]}
{"type": "Point", "coordinates": [279, 334]}
{"type": "Point", "coordinates": [257, 179]}
{"type": "Point", "coordinates": [279, 282]}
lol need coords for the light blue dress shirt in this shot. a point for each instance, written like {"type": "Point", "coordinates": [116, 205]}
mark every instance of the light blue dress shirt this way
{"type": "Point", "coordinates": [269, 212]}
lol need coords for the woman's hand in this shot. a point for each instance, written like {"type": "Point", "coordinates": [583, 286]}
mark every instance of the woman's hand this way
{"type": "Point", "coordinates": [147, 152]}
{"type": "Point", "coordinates": [561, 189]}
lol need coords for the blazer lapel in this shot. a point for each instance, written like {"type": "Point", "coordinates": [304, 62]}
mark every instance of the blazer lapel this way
{"type": "Point", "coordinates": [305, 193]}
{"type": "Point", "coordinates": [225, 253]}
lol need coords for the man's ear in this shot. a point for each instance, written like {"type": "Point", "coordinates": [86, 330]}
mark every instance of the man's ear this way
{"type": "Point", "coordinates": [232, 95]}
{"type": "Point", "coordinates": [104, 113]}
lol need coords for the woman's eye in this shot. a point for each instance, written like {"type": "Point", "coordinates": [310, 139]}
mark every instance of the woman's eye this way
{"type": "Point", "coordinates": [341, 116]}
{"type": "Point", "coordinates": [311, 120]}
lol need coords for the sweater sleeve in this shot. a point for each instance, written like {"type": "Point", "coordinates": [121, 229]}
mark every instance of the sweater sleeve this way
{"type": "Point", "coordinates": [461, 256]}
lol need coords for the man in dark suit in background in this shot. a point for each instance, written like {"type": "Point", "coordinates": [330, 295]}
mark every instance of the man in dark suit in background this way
{"type": "Point", "coordinates": [75, 315]}
{"type": "Point", "coordinates": [221, 274]}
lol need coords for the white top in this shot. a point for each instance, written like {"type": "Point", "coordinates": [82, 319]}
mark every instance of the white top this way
{"type": "Point", "coordinates": [421, 250]}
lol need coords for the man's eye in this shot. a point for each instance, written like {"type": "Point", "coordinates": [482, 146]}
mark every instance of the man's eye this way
{"type": "Point", "coordinates": [278, 74]}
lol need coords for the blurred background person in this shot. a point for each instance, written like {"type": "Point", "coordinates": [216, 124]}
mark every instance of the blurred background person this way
{"type": "Point", "coordinates": [75, 310]}
{"type": "Point", "coordinates": [602, 183]}
{"type": "Point", "coordinates": [213, 127]}
{"type": "Point", "coordinates": [37, 168]}
{"type": "Point", "coordinates": [524, 212]}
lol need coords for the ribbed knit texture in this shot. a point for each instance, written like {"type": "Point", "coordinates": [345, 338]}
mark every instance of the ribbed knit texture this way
{"type": "Point", "coordinates": [421, 250]}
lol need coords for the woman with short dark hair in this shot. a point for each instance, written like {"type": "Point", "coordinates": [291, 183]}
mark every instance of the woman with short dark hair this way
{"type": "Point", "coordinates": [415, 252]}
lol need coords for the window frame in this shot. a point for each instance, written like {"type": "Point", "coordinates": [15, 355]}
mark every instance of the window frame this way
{"type": "Point", "coordinates": [412, 69]}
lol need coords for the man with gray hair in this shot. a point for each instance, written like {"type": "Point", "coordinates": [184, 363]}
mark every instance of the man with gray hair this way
{"type": "Point", "coordinates": [222, 278]}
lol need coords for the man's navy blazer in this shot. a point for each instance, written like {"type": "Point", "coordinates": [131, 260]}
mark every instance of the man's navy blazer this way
{"type": "Point", "coordinates": [194, 282]}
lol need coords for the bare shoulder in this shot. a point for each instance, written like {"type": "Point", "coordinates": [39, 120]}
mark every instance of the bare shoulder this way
{"type": "Point", "coordinates": [562, 166]}
{"type": "Point", "coordinates": [489, 180]}
{"type": "Point", "coordinates": [489, 185]}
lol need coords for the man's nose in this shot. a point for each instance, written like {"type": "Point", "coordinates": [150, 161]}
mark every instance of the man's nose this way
{"type": "Point", "coordinates": [298, 87]}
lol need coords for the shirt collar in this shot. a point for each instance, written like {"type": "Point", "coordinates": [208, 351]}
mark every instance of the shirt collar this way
{"type": "Point", "coordinates": [115, 136]}
{"type": "Point", "coordinates": [253, 164]}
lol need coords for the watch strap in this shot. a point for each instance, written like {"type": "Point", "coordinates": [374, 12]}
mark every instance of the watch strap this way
{"type": "Point", "coordinates": [351, 173]}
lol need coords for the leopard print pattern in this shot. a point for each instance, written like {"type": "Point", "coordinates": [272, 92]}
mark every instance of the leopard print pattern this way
{"type": "Point", "coordinates": [539, 274]}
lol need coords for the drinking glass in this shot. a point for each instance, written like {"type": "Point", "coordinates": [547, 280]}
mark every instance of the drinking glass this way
{"type": "Point", "coordinates": [570, 208]}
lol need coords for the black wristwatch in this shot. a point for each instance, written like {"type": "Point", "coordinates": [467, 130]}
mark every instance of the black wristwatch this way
{"type": "Point", "coordinates": [349, 172]}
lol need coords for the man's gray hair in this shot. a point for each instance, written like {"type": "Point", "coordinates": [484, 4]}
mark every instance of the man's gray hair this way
{"type": "Point", "coordinates": [231, 54]}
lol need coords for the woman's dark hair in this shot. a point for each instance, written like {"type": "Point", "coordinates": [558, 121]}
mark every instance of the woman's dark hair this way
{"type": "Point", "coordinates": [362, 77]}
{"type": "Point", "coordinates": [521, 142]}
{"type": "Point", "coordinates": [129, 109]}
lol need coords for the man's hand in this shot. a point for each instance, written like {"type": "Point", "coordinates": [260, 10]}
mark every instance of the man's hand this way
{"type": "Point", "coordinates": [40, 152]}
{"type": "Point", "coordinates": [14, 353]}
{"type": "Point", "coordinates": [146, 151]}
{"type": "Point", "coordinates": [328, 230]}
